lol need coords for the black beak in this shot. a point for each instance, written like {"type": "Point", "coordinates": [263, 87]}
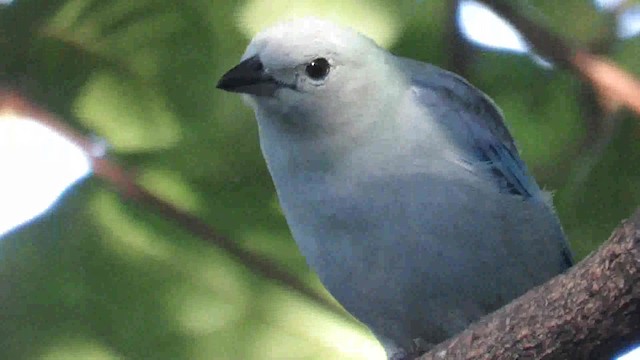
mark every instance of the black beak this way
{"type": "Point", "coordinates": [249, 77]}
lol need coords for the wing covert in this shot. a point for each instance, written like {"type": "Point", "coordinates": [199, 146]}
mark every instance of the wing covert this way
{"type": "Point", "coordinates": [478, 124]}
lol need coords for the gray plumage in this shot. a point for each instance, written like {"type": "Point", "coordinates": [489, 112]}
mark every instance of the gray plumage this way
{"type": "Point", "coordinates": [399, 181]}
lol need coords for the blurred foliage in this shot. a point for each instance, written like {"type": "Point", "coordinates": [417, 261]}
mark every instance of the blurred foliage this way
{"type": "Point", "coordinates": [100, 277]}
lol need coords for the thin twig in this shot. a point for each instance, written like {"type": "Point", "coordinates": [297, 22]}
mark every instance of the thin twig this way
{"type": "Point", "coordinates": [615, 85]}
{"type": "Point", "coordinates": [459, 52]}
{"type": "Point", "coordinates": [124, 183]}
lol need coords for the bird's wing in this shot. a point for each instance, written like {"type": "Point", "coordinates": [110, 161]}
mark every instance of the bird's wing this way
{"type": "Point", "coordinates": [476, 122]}
{"type": "Point", "coordinates": [479, 127]}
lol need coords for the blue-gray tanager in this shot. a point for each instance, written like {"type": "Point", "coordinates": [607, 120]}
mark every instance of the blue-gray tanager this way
{"type": "Point", "coordinates": [399, 181]}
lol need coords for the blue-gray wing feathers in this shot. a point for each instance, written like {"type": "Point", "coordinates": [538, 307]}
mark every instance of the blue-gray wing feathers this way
{"type": "Point", "coordinates": [491, 145]}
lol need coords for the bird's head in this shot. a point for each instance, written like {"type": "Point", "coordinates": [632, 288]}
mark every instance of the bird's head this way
{"type": "Point", "coordinates": [311, 73]}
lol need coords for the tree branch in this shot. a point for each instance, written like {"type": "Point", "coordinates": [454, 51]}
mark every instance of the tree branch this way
{"type": "Point", "coordinates": [125, 184]}
{"type": "Point", "coordinates": [591, 312]}
{"type": "Point", "coordinates": [459, 52]}
{"type": "Point", "coordinates": [615, 85]}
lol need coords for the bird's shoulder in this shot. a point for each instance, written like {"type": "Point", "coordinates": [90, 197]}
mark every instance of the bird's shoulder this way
{"type": "Point", "coordinates": [475, 122]}
{"type": "Point", "coordinates": [453, 90]}
{"type": "Point", "coordinates": [480, 118]}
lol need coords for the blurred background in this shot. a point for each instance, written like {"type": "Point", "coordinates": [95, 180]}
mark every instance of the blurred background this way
{"type": "Point", "coordinates": [88, 274]}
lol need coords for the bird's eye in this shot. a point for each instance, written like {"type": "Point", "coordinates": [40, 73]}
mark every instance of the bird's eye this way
{"type": "Point", "coordinates": [318, 69]}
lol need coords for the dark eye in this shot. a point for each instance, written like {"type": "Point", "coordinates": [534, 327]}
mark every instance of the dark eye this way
{"type": "Point", "coordinates": [318, 69]}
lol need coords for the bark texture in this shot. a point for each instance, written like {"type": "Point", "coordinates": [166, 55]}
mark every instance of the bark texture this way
{"type": "Point", "coordinates": [590, 312]}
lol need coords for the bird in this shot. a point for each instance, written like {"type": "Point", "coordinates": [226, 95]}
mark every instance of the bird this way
{"type": "Point", "coordinates": [399, 181]}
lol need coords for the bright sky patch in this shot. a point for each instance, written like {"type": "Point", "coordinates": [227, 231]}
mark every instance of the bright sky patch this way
{"type": "Point", "coordinates": [37, 166]}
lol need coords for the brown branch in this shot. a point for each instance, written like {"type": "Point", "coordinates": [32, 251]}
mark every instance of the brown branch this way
{"type": "Point", "coordinates": [615, 85]}
{"type": "Point", "coordinates": [459, 52]}
{"type": "Point", "coordinates": [124, 183]}
{"type": "Point", "coordinates": [591, 312]}
{"type": "Point", "coordinates": [546, 43]}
